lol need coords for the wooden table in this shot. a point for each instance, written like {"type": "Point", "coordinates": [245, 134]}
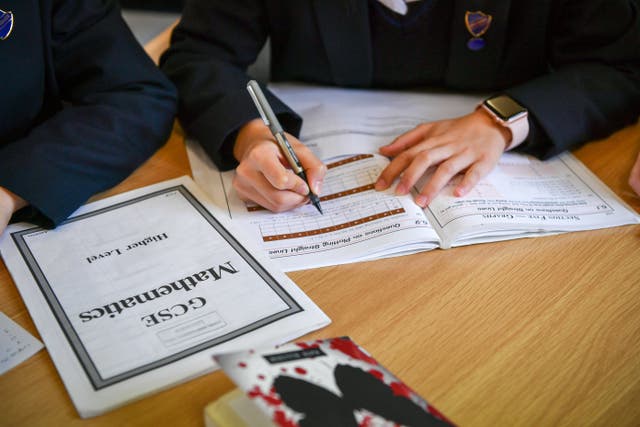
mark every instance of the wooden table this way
{"type": "Point", "coordinates": [541, 331]}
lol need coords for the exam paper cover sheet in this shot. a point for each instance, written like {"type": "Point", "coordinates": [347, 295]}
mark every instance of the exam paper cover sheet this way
{"type": "Point", "coordinates": [134, 293]}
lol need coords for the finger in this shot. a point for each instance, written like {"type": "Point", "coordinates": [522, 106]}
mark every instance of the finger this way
{"type": "Point", "coordinates": [393, 171]}
{"type": "Point", "coordinates": [9, 203]}
{"type": "Point", "coordinates": [261, 192]}
{"type": "Point", "coordinates": [402, 162]}
{"type": "Point", "coordinates": [635, 170]}
{"type": "Point", "coordinates": [313, 167]}
{"type": "Point", "coordinates": [406, 140]}
{"type": "Point", "coordinates": [472, 176]}
{"type": "Point", "coordinates": [443, 174]}
{"type": "Point", "coordinates": [261, 153]}
{"type": "Point", "coordinates": [420, 164]}
{"type": "Point", "coordinates": [316, 176]}
{"type": "Point", "coordinates": [281, 177]}
{"type": "Point", "coordinates": [251, 184]}
{"type": "Point", "coordinates": [266, 159]}
{"type": "Point", "coordinates": [4, 220]}
{"type": "Point", "coordinates": [634, 176]}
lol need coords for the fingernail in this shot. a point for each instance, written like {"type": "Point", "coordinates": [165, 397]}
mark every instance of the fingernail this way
{"type": "Point", "coordinates": [401, 190]}
{"type": "Point", "coordinates": [422, 200]}
{"type": "Point", "coordinates": [460, 191]}
{"type": "Point", "coordinates": [316, 187]}
{"type": "Point", "coordinates": [302, 189]}
{"type": "Point", "coordinates": [380, 184]}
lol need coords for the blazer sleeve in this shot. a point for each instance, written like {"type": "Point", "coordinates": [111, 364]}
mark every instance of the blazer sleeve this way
{"type": "Point", "coordinates": [116, 109]}
{"type": "Point", "coordinates": [593, 86]}
{"type": "Point", "coordinates": [211, 49]}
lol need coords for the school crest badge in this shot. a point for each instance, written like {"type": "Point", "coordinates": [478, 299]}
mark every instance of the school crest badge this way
{"type": "Point", "coordinates": [477, 24]}
{"type": "Point", "coordinates": [6, 24]}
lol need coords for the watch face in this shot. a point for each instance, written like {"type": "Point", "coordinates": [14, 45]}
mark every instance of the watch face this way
{"type": "Point", "coordinates": [505, 107]}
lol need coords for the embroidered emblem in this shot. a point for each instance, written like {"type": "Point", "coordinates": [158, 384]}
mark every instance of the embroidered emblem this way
{"type": "Point", "coordinates": [477, 24]}
{"type": "Point", "coordinates": [6, 24]}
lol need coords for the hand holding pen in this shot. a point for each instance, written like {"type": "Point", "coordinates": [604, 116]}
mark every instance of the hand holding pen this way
{"type": "Point", "coordinates": [264, 179]}
{"type": "Point", "coordinates": [266, 175]}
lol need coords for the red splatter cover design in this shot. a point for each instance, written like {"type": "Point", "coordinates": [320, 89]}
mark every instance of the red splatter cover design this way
{"type": "Point", "coordinates": [331, 382]}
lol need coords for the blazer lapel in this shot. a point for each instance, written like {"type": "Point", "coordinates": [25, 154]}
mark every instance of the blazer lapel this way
{"type": "Point", "coordinates": [468, 69]}
{"type": "Point", "coordinates": [344, 28]}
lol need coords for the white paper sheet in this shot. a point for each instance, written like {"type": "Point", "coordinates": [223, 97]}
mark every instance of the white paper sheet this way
{"type": "Point", "coordinates": [340, 122]}
{"type": "Point", "coordinates": [134, 292]}
{"type": "Point", "coordinates": [16, 344]}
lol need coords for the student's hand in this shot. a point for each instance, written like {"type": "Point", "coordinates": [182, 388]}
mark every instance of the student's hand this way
{"type": "Point", "coordinates": [9, 203]}
{"type": "Point", "coordinates": [634, 177]}
{"type": "Point", "coordinates": [471, 144]}
{"type": "Point", "coordinates": [263, 175]}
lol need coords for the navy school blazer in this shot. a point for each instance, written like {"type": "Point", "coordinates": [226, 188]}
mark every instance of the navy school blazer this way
{"type": "Point", "coordinates": [575, 64]}
{"type": "Point", "coordinates": [81, 104]}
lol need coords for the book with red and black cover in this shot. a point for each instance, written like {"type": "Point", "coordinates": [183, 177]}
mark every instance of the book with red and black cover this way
{"type": "Point", "coordinates": [331, 382]}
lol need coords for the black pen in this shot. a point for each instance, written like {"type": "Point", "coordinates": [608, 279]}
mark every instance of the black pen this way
{"type": "Point", "coordinates": [270, 119]}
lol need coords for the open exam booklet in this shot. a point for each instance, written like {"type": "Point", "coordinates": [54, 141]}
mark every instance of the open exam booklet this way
{"type": "Point", "coordinates": [522, 197]}
{"type": "Point", "coordinates": [134, 293]}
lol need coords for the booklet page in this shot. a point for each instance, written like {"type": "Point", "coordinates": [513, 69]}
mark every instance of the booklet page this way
{"type": "Point", "coordinates": [527, 196]}
{"type": "Point", "coordinates": [358, 222]}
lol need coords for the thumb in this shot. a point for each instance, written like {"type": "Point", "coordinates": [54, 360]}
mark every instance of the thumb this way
{"type": "Point", "coordinates": [313, 167]}
{"type": "Point", "coordinates": [316, 175]}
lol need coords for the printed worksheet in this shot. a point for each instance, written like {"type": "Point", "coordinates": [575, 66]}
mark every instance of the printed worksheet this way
{"type": "Point", "coordinates": [525, 197]}
{"type": "Point", "coordinates": [16, 344]}
{"type": "Point", "coordinates": [358, 222]}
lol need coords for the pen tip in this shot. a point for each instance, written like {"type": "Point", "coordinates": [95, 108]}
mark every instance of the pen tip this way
{"type": "Point", "coordinates": [316, 202]}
